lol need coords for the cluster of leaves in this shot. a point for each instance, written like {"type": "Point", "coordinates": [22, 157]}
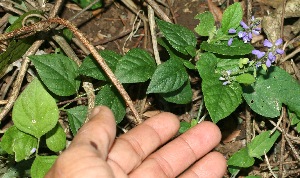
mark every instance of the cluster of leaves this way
{"type": "Point", "coordinates": [35, 113]}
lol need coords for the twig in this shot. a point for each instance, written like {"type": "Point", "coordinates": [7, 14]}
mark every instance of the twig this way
{"type": "Point", "coordinates": [269, 167]}
{"type": "Point", "coordinates": [282, 146]}
{"type": "Point", "coordinates": [292, 147]}
{"type": "Point", "coordinates": [17, 85]}
{"type": "Point", "coordinates": [153, 34]}
{"type": "Point", "coordinates": [249, 10]}
{"type": "Point", "coordinates": [292, 54]}
{"type": "Point", "coordinates": [158, 11]}
{"type": "Point", "coordinates": [295, 139]}
{"type": "Point", "coordinates": [248, 125]}
{"type": "Point", "coordinates": [18, 82]}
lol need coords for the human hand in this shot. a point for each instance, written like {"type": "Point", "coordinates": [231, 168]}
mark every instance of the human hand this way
{"type": "Point", "coordinates": [94, 152]}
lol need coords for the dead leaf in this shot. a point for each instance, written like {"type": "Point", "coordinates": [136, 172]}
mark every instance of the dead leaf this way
{"type": "Point", "coordinates": [215, 10]}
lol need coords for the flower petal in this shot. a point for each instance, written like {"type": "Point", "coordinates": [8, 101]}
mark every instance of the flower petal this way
{"type": "Point", "coordinates": [268, 63]}
{"type": "Point", "coordinates": [258, 53]}
{"type": "Point", "coordinates": [244, 25]}
{"type": "Point", "coordinates": [232, 30]}
{"type": "Point", "coordinates": [267, 43]}
{"type": "Point", "coordinates": [278, 42]}
{"type": "Point", "coordinates": [230, 41]}
{"type": "Point", "coordinates": [279, 51]}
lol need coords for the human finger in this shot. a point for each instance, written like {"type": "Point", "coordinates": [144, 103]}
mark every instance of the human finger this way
{"type": "Point", "coordinates": [130, 149]}
{"type": "Point", "coordinates": [178, 155]}
{"type": "Point", "coordinates": [212, 165]}
{"type": "Point", "coordinates": [89, 148]}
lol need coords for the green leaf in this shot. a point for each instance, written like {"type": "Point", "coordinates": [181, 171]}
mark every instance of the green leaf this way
{"type": "Point", "coordinates": [184, 126]}
{"type": "Point", "coordinates": [262, 143]}
{"type": "Point", "coordinates": [35, 111]}
{"type": "Point", "coordinates": [110, 97]}
{"type": "Point", "coordinates": [136, 66]}
{"type": "Point", "coordinates": [188, 64]}
{"type": "Point", "coordinates": [19, 22]}
{"type": "Point", "coordinates": [245, 78]}
{"type": "Point", "coordinates": [237, 47]}
{"type": "Point", "coordinates": [169, 76]}
{"type": "Point", "coordinates": [57, 72]}
{"type": "Point", "coordinates": [85, 3]}
{"type": "Point", "coordinates": [270, 90]}
{"type": "Point", "coordinates": [220, 100]}
{"type": "Point", "coordinates": [76, 117]}
{"type": "Point", "coordinates": [183, 95]}
{"type": "Point", "coordinates": [56, 138]}
{"type": "Point", "coordinates": [178, 36]}
{"type": "Point", "coordinates": [15, 50]}
{"type": "Point", "coordinates": [232, 17]}
{"type": "Point", "coordinates": [227, 64]}
{"type": "Point", "coordinates": [19, 143]}
{"type": "Point", "coordinates": [241, 159]}
{"type": "Point", "coordinates": [41, 165]}
{"type": "Point", "coordinates": [91, 68]}
{"type": "Point", "coordinates": [207, 23]}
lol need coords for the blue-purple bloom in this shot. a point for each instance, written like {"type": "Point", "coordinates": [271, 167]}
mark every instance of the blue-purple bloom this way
{"type": "Point", "coordinates": [33, 150]}
{"type": "Point", "coordinates": [230, 41]}
{"type": "Point", "coordinates": [244, 25]}
{"type": "Point", "coordinates": [232, 30]}
{"type": "Point", "coordinates": [258, 53]}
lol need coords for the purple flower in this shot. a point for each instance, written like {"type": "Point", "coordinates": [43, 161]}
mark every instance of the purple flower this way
{"type": "Point", "coordinates": [279, 51]}
{"type": "Point", "coordinates": [271, 57]}
{"type": "Point", "coordinates": [268, 44]}
{"type": "Point", "coordinates": [244, 25]}
{"type": "Point", "coordinates": [230, 41]}
{"type": "Point", "coordinates": [258, 53]}
{"type": "Point", "coordinates": [268, 63]}
{"type": "Point", "coordinates": [241, 34]}
{"type": "Point", "coordinates": [33, 150]}
{"type": "Point", "coordinates": [231, 31]}
{"type": "Point", "coordinates": [256, 31]}
{"type": "Point", "coordinates": [278, 42]}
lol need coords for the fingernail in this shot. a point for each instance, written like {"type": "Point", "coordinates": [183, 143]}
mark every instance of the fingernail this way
{"type": "Point", "coordinates": [95, 111]}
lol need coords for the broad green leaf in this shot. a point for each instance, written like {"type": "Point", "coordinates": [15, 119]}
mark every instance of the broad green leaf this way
{"type": "Point", "coordinates": [19, 143]}
{"type": "Point", "coordinates": [57, 72]}
{"type": "Point", "coordinates": [270, 90]}
{"type": "Point", "coordinates": [227, 64]}
{"type": "Point", "coordinates": [169, 76]}
{"type": "Point", "coordinates": [85, 3]}
{"type": "Point", "coordinates": [183, 95]}
{"type": "Point", "coordinates": [35, 111]}
{"type": "Point", "coordinates": [184, 126]}
{"type": "Point", "coordinates": [237, 47]}
{"type": "Point", "coordinates": [15, 50]}
{"type": "Point", "coordinates": [76, 117]}
{"type": "Point", "coordinates": [262, 143]}
{"type": "Point", "coordinates": [91, 68]}
{"type": "Point", "coordinates": [207, 23]}
{"type": "Point", "coordinates": [220, 100]}
{"type": "Point", "coordinates": [110, 97]}
{"type": "Point", "coordinates": [41, 165]}
{"type": "Point", "coordinates": [241, 159]}
{"type": "Point", "coordinates": [56, 138]}
{"type": "Point", "coordinates": [178, 36]}
{"type": "Point", "coordinates": [232, 17]}
{"type": "Point", "coordinates": [188, 64]}
{"type": "Point", "coordinates": [136, 66]}
{"type": "Point", "coordinates": [245, 78]}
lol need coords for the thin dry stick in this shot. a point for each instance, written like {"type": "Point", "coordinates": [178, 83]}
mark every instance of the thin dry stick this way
{"type": "Point", "coordinates": [158, 11]}
{"type": "Point", "coordinates": [269, 166]}
{"type": "Point", "coordinates": [153, 34]}
{"type": "Point", "coordinates": [294, 150]}
{"type": "Point", "coordinates": [248, 124]}
{"type": "Point", "coordinates": [282, 146]}
{"type": "Point", "coordinates": [18, 82]}
{"type": "Point", "coordinates": [32, 50]}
